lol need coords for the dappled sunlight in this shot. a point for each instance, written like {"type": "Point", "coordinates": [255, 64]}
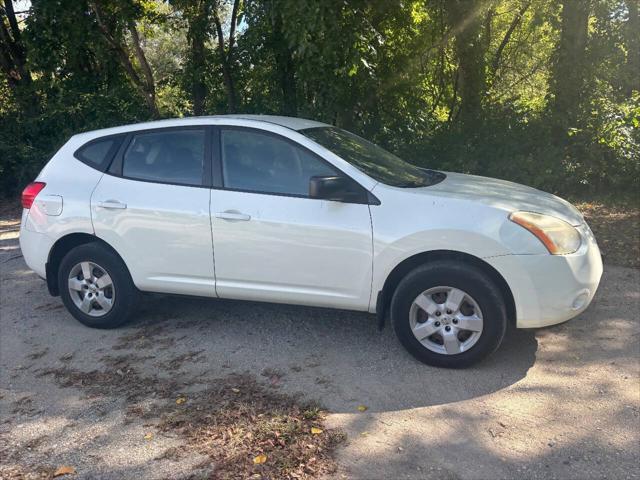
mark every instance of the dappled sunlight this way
{"type": "Point", "coordinates": [9, 230]}
{"type": "Point", "coordinates": [493, 443]}
{"type": "Point", "coordinates": [31, 430]}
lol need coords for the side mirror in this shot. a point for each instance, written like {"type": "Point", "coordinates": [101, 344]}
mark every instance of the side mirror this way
{"type": "Point", "coordinates": [336, 188]}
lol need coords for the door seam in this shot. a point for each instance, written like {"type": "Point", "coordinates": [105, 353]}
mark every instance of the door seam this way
{"type": "Point", "coordinates": [93, 191]}
{"type": "Point", "coordinates": [372, 256]}
{"type": "Point", "coordinates": [213, 248]}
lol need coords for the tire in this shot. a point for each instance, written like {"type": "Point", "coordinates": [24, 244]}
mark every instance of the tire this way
{"type": "Point", "coordinates": [119, 299]}
{"type": "Point", "coordinates": [438, 282]}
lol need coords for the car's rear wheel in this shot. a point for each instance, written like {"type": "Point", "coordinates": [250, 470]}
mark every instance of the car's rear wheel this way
{"type": "Point", "coordinates": [448, 314]}
{"type": "Point", "coordinates": [96, 287]}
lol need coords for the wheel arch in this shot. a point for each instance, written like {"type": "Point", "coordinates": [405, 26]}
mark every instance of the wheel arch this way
{"type": "Point", "coordinates": [64, 245]}
{"type": "Point", "coordinates": [404, 267]}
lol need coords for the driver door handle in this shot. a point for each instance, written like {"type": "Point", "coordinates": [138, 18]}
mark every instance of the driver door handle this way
{"type": "Point", "coordinates": [243, 217]}
{"type": "Point", "coordinates": [112, 204]}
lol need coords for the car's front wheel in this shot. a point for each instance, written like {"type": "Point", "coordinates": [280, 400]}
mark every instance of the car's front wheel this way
{"type": "Point", "coordinates": [448, 314]}
{"type": "Point", "coordinates": [96, 287]}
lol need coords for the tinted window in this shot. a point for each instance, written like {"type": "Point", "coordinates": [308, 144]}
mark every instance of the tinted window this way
{"type": "Point", "coordinates": [263, 163]}
{"type": "Point", "coordinates": [98, 153]}
{"type": "Point", "coordinates": [373, 160]}
{"type": "Point", "coordinates": [173, 156]}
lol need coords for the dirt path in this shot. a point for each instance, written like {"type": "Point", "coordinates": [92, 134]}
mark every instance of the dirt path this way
{"type": "Point", "coordinates": [557, 403]}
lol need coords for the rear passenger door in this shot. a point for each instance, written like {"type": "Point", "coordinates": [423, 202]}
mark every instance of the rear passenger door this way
{"type": "Point", "coordinates": [152, 206]}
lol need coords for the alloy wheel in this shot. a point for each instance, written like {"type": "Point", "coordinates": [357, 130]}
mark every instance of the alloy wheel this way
{"type": "Point", "coordinates": [91, 289]}
{"type": "Point", "coordinates": [446, 320]}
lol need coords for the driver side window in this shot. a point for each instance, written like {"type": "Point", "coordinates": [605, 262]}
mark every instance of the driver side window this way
{"type": "Point", "coordinates": [263, 163]}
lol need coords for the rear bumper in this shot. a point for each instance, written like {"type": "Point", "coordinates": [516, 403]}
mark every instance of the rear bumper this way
{"type": "Point", "coordinates": [550, 289]}
{"type": "Point", "coordinates": [35, 248]}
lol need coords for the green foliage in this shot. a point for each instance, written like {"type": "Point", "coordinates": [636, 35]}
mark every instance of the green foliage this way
{"type": "Point", "coordinates": [485, 87]}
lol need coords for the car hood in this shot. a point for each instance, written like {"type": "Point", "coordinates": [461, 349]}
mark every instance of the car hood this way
{"type": "Point", "coordinates": [505, 195]}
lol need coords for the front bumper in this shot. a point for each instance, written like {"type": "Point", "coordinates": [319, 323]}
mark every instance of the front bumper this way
{"type": "Point", "coordinates": [550, 289]}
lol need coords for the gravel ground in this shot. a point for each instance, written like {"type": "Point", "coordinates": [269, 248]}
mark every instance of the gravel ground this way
{"type": "Point", "coordinates": [562, 402]}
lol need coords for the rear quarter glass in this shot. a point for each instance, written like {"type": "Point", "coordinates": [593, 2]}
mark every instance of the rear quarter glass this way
{"type": "Point", "coordinates": [99, 152]}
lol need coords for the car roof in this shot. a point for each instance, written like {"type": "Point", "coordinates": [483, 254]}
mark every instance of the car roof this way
{"type": "Point", "coordinates": [292, 123]}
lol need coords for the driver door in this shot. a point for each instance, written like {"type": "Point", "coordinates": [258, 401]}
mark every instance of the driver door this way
{"type": "Point", "coordinates": [272, 242]}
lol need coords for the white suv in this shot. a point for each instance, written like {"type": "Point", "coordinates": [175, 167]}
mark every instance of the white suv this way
{"type": "Point", "coordinates": [288, 210]}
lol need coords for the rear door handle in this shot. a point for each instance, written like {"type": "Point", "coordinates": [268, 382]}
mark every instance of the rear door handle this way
{"type": "Point", "coordinates": [233, 216]}
{"type": "Point", "coordinates": [113, 204]}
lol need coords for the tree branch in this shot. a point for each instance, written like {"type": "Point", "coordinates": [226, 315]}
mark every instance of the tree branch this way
{"type": "Point", "coordinates": [225, 58]}
{"type": "Point", "coordinates": [219, 32]}
{"type": "Point", "coordinates": [144, 64]}
{"type": "Point", "coordinates": [6, 62]}
{"type": "Point", "coordinates": [232, 27]}
{"type": "Point", "coordinates": [507, 37]}
{"type": "Point", "coordinates": [11, 16]}
{"type": "Point", "coordinates": [14, 55]}
{"type": "Point", "coordinates": [124, 57]}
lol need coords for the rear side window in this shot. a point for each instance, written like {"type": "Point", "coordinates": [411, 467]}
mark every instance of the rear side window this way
{"type": "Point", "coordinates": [98, 153]}
{"type": "Point", "coordinates": [175, 156]}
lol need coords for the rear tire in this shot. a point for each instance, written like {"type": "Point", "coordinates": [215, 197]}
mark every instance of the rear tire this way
{"type": "Point", "coordinates": [96, 287]}
{"type": "Point", "coordinates": [438, 287]}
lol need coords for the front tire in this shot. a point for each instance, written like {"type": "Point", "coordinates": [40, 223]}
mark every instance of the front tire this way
{"type": "Point", "coordinates": [448, 314]}
{"type": "Point", "coordinates": [96, 287]}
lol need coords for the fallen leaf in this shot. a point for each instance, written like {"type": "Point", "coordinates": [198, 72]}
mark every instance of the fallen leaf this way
{"type": "Point", "coordinates": [362, 408]}
{"type": "Point", "coordinates": [180, 400]}
{"type": "Point", "coordinates": [316, 430]}
{"type": "Point", "coordinates": [64, 470]}
{"type": "Point", "coordinates": [148, 436]}
{"type": "Point", "coordinates": [260, 459]}
{"type": "Point", "coordinates": [235, 390]}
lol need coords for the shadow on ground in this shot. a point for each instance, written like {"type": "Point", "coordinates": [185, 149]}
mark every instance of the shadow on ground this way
{"type": "Point", "coordinates": [338, 356]}
{"type": "Point", "coordinates": [560, 402]}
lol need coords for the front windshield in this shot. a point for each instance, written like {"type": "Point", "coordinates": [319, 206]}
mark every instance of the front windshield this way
{"type": "Point", "coordinates": [373, 160]}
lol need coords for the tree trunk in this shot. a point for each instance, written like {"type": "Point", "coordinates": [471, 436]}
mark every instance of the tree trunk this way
{"type": "Point", "coordinates": [230, 88]}
{"type": "Point", "coordinates": [226, 55]}
{"type": "Point", "coordinates": [633, 47]}
{"type": "Point", "coordinates": [146, 86]}
{"type": "Point", "coordinates": [497, 58]}
{"type": "Point", "coordinates": [149, 84]}
{"type": "Point", "coordinates": [197, 34]}
{"type": "Point", "coordinates": [198, 86]}
{"type": "Point", "coordinates": [465, 20]}
{"type": "Point", "coordinates": [570, 62]}
{"type": "Point", "coordinates": [285, 67]}
{"type": "Point", "coordinates": [13, 55]}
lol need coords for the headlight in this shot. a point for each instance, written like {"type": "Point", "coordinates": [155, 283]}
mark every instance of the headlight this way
{"type": "Point", "coordinates": [557, 235]}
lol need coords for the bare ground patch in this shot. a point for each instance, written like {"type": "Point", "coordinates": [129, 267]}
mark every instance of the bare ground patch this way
{"type": "Point", "coordinates": [244, 428]}
{"type": "Point", "coordinates": [617, 230]}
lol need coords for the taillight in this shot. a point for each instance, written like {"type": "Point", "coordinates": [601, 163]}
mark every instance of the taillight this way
{"type": "Point", "coordinates": [30, 193]}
